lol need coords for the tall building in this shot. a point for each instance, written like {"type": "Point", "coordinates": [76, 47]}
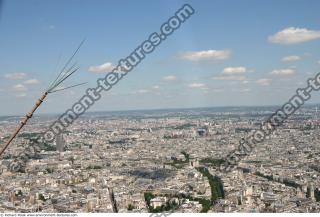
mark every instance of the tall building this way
{"type": "Point", "coordinates": [113, 200]}
{"type": "Point", "coordinates": [311, 193]}
{"type": "Point", "coordinates": [60, 142]}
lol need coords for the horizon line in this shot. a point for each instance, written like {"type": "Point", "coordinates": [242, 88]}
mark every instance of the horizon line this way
{"type": "Point", "coordinates": [155, 109]}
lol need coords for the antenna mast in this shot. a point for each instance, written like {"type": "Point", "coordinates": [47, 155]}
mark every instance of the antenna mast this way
{"type": "Point", "coordinates": [54, 87]}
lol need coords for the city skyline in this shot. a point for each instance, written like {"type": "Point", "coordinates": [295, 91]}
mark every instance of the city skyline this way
{"type": "Point", "coordinates": [170, 161]}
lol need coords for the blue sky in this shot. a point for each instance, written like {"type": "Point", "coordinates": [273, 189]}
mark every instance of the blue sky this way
{"type": "Point", "coordinates": [228, 53]}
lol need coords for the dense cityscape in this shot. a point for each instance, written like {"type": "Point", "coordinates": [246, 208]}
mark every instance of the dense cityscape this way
{"type": "Point", "coordinates": [159, 109]}
{"type": "Point", "coordinates": [162, 161]}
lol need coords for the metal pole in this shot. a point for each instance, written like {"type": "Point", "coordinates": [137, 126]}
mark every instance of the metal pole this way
{"type": "Point", "coordinates": [24, 122]}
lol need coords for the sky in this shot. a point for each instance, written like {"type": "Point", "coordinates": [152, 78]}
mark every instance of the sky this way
{"type": "Point", "coordinates": [229, 53]}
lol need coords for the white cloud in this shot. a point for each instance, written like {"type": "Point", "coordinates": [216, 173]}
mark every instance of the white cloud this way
{"type": "Point", "coordinates": [204, 88]}
{"type": "Point", "coordinates": [283, 72]}
{"type": "Point", "coordinates": [31, 81]}
{"type": "Point", "coordinates": [245, 82]}
{"type": "Point", "coordinates": [19, 87]}
{"type": "Point", "coordinates": [106, 67]}
{"type": "Point", "coordinates": [229, 78]}
{"type": "Point", "coordinates": [21, 95]}
{"type": "Point", "coordinates": [206, 55]}
{"type": "Point", "coordinates": [156, 87]}
{"type": "Point", "coordinates": [169, 78]}
{"type": "Point", "coordinates": [197, 85]}
{"type": "Point", "coordinates": [293, 35]}
{"type": "Point", "coordinates": [232, 74]}
{"type": "Point", "coordinates": [142, 91]}
{"type": "Point", "coordinates": [15, 76]}
{"type": "Point", "coordinates": [291, 58]}
{"type": "Point", "coordinates": [264, 82]}
{"type": "Point", "coordinates": [319, 61]}
{"type": "Point", "coordinates": [234, 70]}
{"type": "Point", "coordinates": [245, 90]}
{"type": "Point", "coordinates": [217, 90]}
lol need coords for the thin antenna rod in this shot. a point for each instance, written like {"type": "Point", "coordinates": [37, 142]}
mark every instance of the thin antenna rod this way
{"type": "Point", "coordinates": [68, 87]}
{"type": "Point", "coordinates": [64, 75]}
{"type": "Point", "coordinates": [63, 79]}
{"type": "Point", "coordinates": [67, 63]}
{"type": "Point", "coordinates": [51, 88]}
